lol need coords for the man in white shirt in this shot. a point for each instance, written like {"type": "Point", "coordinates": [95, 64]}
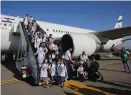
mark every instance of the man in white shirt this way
{"type": "Point", "coordinates": [68, 63]}
{"type": "Point", "coordinates": [68, 55]}
{"type": "Point", "coordinates": [84, 57]}
{"type": "Point", "coordinates": [84, 60]}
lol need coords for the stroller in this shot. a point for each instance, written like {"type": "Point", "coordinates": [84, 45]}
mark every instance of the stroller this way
{"type": "Point", "coordinates": [81, 75]}
{"type": "Point", "coordinates": [93, 73]}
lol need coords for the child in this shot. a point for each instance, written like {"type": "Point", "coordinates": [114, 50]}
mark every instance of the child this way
{"type": "Point", "coordinates": [58, 66]}
{"type": "Point", "coordinates": [44, 74]}
{"type": "Point", "coordinates": [50, 58]}
{"type": "Point", "coordinates": [53, 71]}
{"type": "Point", "coordinates": [80, 72]}
{"type": "Point", "coordinates": [63, 72]}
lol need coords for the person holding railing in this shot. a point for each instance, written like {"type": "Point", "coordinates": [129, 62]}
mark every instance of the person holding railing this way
{"type": "Point", "coordinates": [34, 26]}
{"type": "Point", "coordinates": [26, 21]}
{"type": "Point", "coordinates": [30, 21]}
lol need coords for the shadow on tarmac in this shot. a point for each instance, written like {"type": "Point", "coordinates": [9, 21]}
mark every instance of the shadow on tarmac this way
{"type": "Point", "coordinates": [123, 82]}
{"type": "Point", "coordinates": [115, 84]}
{"type": "Point", "coordinates": [68, 93]}
{"type": "Point", "coordinates": [114, 90]}
{"type": "Point", "coordinates": [83, 91]}
{"type": "Point", "coordinates": [111, 70]}
{"type": "Point", "coordinates": [11, 66]}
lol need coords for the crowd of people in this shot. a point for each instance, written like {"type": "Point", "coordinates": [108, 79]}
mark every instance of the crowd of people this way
{"type": "Point", "coordinates": [52, 61]}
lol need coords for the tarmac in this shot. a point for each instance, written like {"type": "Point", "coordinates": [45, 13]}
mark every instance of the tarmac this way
{"type": "Point", "coordinates": [116, 82]}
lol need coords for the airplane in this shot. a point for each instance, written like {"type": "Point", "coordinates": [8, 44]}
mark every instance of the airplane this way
{"type": "Point", "coordinates": [78, 39]}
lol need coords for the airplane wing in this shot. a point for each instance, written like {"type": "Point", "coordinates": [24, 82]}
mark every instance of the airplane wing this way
{"type": "Point", "coordinates": [114, 33]}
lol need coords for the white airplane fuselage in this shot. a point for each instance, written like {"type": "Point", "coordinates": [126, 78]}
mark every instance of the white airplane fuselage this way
{"type": "Point", "coordinates": [10, 42]}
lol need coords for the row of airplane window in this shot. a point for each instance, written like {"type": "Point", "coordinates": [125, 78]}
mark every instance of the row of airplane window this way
{"type": "Point", "coordinates": [60, 31]}
{"type": "Point", "coordinates": [47, 29]}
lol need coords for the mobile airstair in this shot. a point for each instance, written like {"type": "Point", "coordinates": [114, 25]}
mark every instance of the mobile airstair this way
{"type": "Point", "coordinates": [26, 62]}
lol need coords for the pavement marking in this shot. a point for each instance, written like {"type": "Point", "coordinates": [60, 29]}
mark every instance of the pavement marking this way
{"type": "Point", "coordinates": [9, 81]}
{"type": "Point", "coordinates": [80, 88]}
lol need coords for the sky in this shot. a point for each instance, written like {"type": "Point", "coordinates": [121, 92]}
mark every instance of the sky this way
{"type": "Point", "coordinates": [89, 15]}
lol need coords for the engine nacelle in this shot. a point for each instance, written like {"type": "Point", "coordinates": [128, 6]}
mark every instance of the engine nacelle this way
{"type": "Point", "coordinates": [79, 43]}
{"type": "Point", "coordinates": [113, 43]}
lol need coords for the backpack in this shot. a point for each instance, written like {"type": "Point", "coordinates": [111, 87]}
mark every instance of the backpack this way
{"type": "Point", "coordinates": [124, 56]}
{"type": "Point", "coordinates": [95, 65]}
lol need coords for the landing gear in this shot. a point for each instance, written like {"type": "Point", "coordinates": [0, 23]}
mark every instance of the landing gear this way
{"type": "Point", "coordinates": [96, 56]}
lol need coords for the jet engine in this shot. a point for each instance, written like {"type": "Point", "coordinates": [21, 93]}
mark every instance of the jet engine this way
{"type": "Point", "coordinates": [79, 43]}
